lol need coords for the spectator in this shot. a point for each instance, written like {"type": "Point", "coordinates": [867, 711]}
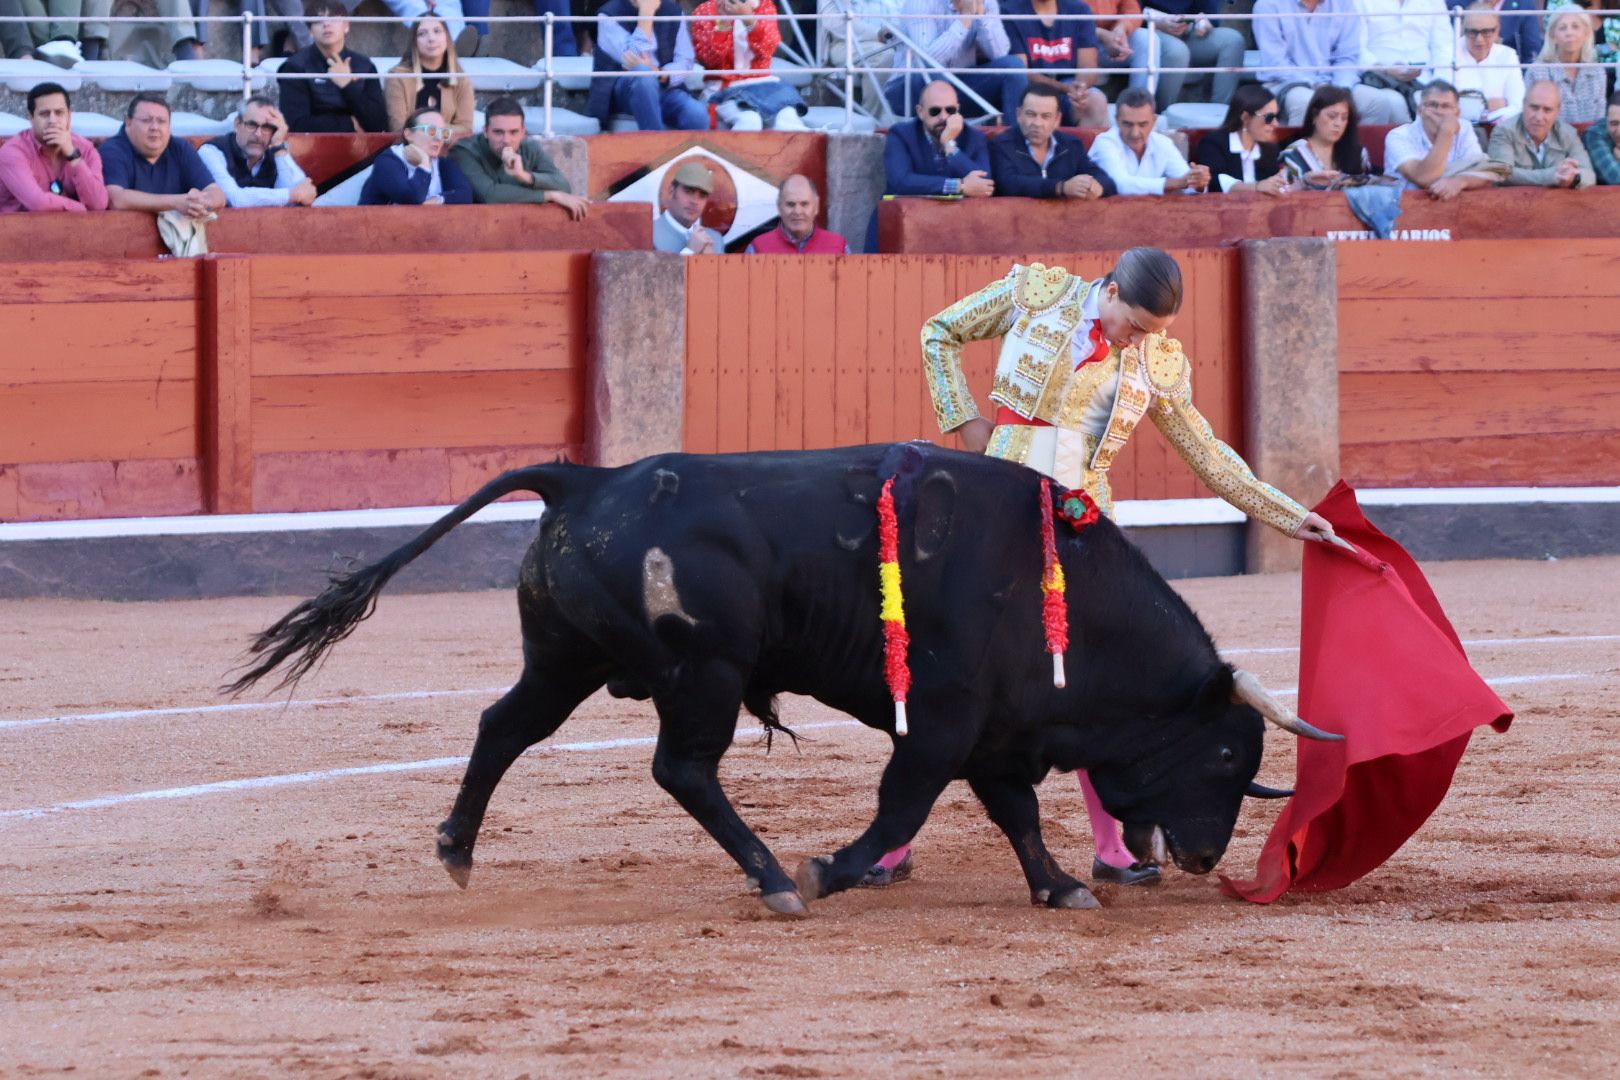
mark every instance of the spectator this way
{"type": "Point", "coordinates": [253, 167]}
{"type": "Point", "coordinates": [1052, 43]}
{"type": "Point", "coordinates": [956, 35]}
{"type": "Point", "coordinates": [735, 35]}
{"type": "Point", "coordinates": [1603, 145]}
{"type": "Point", "coordinates": [339, 100]}
{"type": "Point", "coordinates": [414, 171]}
{"type": "Point", "coordinates": [797, 205]}
{"type": "Point", "coordinates": [54, 34]}
{"type": "Point", "coordinates": [1438, 151]}
{"type": "Point", "coordinates": [680, 229]}
{"type": "Point", "coordinates": [1189, 38]}
{"type": "Point", "coordinates": [292, 11]}
{"type": "Point", "coordinates": [1485, 68]}
{"type": "Point", "coordinates": [47, 167]}
{"type": "Point", "coordinates": [1242, 153]}
{"type": "Point", "coordinates": [451, 95]}
{"type": "Point", "coordinates": [504, 165]}
{"type": "Point", "coordinates": [873, 40]}
{"type": "Point", "coordinates": [1540, 149]}
{"type": "Point", "coordinates": [147, 170]}
{"type": "Point", "coordinates": [935, 153]}
{"type": "Point", "coordinates": [1581, 89]}
{"type": "Point", "coordinates": [1035, 159]}
{"type": "Point", "coordinates": [1327, 46]}
{"type": "Point", "coordinates": [135, 39]}
{"type": "Point", "coordinates": [1329, 148]}
{"type": "Point", "coordinates": [627, 39]}
{"type": "Point", "coordinates": [1605, 28]}
{"type": "Point", "coordinates": [1521, 23]}
{"type": "Point", "coordinates": [1138, 159]}
{"type": "Point", "coordinates": [563, 40]}
{"type": "Point", "coordinates": [16, 43]}
{"type": "Point", "coordinates": [1122, 42]}
{"type": "Point", "coordinates": [1408, 43]}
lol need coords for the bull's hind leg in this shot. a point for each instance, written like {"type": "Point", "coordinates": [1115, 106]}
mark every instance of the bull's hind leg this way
{"type": "Point", "coordinates": [697, 722]}
{"type": "Point", "coordinates": [551, 687]}
{"type": "Point", "coordinates": [1013, 806]}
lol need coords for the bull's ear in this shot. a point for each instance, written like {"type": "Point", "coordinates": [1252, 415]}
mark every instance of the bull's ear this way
{"type": "Point", "coordinates": [936, 514]}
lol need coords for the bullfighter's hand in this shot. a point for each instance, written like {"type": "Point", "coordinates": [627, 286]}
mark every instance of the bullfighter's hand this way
{"type": "Point", "coordinates": [975, 434]}
{"type": "Point", "coordinates": [1315, 527]}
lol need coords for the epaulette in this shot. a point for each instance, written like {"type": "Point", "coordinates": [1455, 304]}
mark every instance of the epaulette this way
{"type": "Point", "coordinates": [1167, 368]}
{"type": "Point", "coordinates": [1038, 288]}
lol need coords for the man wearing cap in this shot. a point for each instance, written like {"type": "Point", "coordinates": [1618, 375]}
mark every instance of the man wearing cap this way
{"type": "Point", "coordinates": [679, 229]}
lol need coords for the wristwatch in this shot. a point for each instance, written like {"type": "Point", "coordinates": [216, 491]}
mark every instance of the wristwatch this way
{"type": "Point", "coordinates": [275, 148]}
{"type": "Point", "coordinates": [75, 156]}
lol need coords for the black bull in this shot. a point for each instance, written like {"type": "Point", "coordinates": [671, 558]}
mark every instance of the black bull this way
{"type": "Point", "coordinates": [716, 583]}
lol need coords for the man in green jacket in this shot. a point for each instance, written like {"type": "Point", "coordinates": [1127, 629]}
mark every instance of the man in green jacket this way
{"type": "Point", "coordinates": [506, 166]}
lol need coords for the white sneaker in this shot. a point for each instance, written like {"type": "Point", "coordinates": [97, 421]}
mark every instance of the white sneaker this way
{"type": "Point", "coordinates": [61, 53]}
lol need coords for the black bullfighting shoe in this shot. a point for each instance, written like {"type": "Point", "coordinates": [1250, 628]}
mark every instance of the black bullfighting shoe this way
{"type": "Point", "coordinates": [1134, 874]}
{"type": "Point", "coordinates": [877, 876]}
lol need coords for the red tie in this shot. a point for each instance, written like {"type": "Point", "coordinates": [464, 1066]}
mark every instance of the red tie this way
{"type": "Point", "coordinates": [1099, 346]}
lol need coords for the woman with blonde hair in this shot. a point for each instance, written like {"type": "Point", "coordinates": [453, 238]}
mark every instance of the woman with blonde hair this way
{"type": "Point", "coordinates": [1569, 42]}
{"type": "Point", "coordinates": [451, 95]}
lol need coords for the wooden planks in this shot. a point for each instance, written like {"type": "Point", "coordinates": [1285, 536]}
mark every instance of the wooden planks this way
{"type": "Point", "coordinates": [1485, 362]}
{"type": "Point", "coordinates": [98, 421]}
{"type": "Point", "coordinates": [818, 351]}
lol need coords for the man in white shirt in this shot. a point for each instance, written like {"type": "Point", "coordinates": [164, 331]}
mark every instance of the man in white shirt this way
{"type": "Point", "coordinates": [1486, 67]}
{"type": "Point", "coordinates": [1407, 43]}
{"type": "Point", "coordinates": [1435, 152]}
{"type": "Point", "coordinates": [253, 166]}
{"type": "Point", "coordinates": [1140, 160]}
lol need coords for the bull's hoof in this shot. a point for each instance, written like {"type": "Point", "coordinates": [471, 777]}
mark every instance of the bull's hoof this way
{"type": "Point", "coordinates": [812, 876]}
{"type": "Point", "coordinates": [1078, 898]}
{"type": "Point", "coordinates": [457, 861]}
{"type": "Point", "coordinates": [786, 902]}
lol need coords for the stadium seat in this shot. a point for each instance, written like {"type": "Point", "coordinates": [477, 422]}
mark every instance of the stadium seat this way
{"type": "Point", "coordinates": [386, 63]}
{"type": "Point", "coordinates": [790, 73]}
{"type": "Point", "coordinates": [95, 126]}
{"type": "Point", "coordinates": [622, 122]}
{"type": "Point", "coordinates": [12, 125]}
{"type": "Point", "coordinates": [21, 75]}
{"type": "Point", "coordinates": [831, 118]}
{"type": "Point", "coordinates": [189, 123]}
{"type": "Point", "coordinates": [271, 64]}
{"type": "Point", "coordinates": [498, 73]}
{"type": "Point", "coordinates": [571, 72]}
{"type": "Point", "coordinates": [1194, 114]}
{"type": "Point", "coordinates": [563, 122]}
{"type": "Point", "coordinates": [123, 76]}
{"type": "Point", "coordinates": [1251, 59]}
{"type": "Point", "coordinates": [220, 76]}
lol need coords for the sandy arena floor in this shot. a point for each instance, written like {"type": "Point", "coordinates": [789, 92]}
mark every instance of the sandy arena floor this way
{"type": "Point", "coordinates": [298, 924]}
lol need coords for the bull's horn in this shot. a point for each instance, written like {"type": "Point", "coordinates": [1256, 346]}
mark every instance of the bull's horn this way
{"type": "Point", "coordinates": [1260, 791]}
{"type": "Point", "coordinates": [1247, 689]}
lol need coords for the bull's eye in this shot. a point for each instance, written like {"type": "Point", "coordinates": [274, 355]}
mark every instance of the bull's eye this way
{"type": "Point", "coordinates": [1227, 757]}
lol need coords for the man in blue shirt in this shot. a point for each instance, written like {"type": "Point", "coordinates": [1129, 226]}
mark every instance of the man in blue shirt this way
{"type": "Point", "coordinates": [1053, 43]}
{"type": "Point", "coordinates": [1037, 160]}
{"type": "Point", "coordinates": [147, 170]}
{"type": "Point", "coordinates": [1298, 54]}
{"type": "Point", "coordinates": [1188, 37]}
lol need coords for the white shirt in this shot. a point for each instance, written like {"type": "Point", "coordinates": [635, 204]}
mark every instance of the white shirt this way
{"type": "Point", "coordinates": [1248, 157]}
{"type": "Point", "coordinates": [1143, 175]}
{"type": "Point", "coordinates": [1496, 76]}
{"type": "Point", "coordinates": [1410, 142]}
{"type": "Point", "coordinates": [288, 176]}
{"type": "Point", "coordinates": [1407, 33]}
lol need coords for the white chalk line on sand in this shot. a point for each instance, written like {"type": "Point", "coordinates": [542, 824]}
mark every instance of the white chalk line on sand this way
{"type": "Point", "coordinates": [414, 695]}
{"type": "Point", "coordinates": [285, 779]}
{"type": "Point", "coordinates": [252, 783]}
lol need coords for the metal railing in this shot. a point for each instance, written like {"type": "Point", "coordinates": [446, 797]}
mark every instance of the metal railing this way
{"type": "Point", "coordinates": [840, 79]}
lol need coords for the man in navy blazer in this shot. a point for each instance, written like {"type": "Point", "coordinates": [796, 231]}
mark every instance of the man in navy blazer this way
{"type": "Point", "coordinates": [936, 154]}
{"type": "Point", "coordinates": [1037, 160]}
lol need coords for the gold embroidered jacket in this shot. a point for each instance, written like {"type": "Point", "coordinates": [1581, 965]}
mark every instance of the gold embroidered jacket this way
{"type": "Point", "coordinates": [1036, 312]}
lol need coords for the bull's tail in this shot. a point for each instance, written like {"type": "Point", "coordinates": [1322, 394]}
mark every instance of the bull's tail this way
{"type": "Point", "coordinates": [307, 631]}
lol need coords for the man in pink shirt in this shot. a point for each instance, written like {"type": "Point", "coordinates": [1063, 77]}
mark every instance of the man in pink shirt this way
{"type": "Point", "coordinates": [48, 167]}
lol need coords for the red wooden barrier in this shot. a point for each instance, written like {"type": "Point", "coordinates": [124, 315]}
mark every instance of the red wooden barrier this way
{"type": "Point", "coordinates": [786, 354]}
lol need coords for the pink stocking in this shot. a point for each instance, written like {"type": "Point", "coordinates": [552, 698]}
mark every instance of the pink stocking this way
{"type": "Point", "coordinates": [1104, 829]}
{"type": "Point", "coordinates": [895, 857]}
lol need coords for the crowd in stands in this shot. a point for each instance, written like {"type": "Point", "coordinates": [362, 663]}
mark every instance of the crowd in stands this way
{"type": "Point", "coordinates": [1042, 65]}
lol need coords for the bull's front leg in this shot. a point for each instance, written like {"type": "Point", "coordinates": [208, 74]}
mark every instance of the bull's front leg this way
{"type": "Point", "coordinates": [918, 772]}
{"type": "Point", "coordinates": [1014, 807]}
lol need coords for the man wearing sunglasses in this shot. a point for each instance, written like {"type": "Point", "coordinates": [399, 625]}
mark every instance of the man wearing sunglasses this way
{"type": "Point", "coordinates": [936, 153]}
{"type": "Point", "coordinates": [253, 166]}
{"type": "Point", "coordinates": [47, 167]}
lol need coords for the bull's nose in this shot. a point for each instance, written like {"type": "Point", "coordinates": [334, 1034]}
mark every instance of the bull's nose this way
{"type": "Point", "coordinates": [1203, 864]}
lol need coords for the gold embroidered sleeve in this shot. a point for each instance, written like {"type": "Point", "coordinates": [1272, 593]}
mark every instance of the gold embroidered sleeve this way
{"type": "Point", "coordinates": [988, 313]}
{"type": "Point", "coordinates": [1218, 465]}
